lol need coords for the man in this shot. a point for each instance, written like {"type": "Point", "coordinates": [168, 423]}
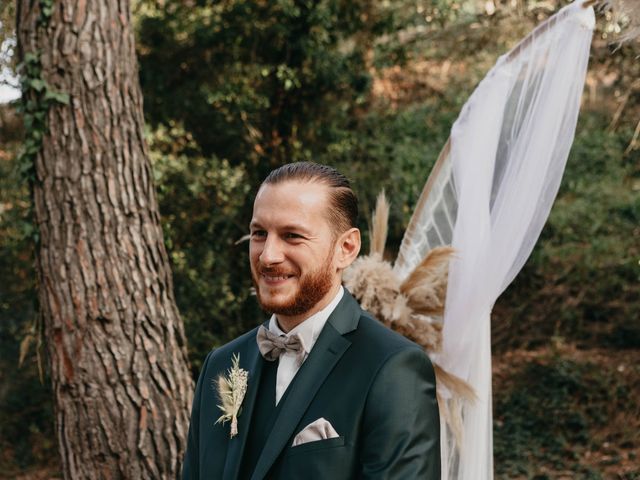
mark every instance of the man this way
{"type": "Point", "coordinates": [331, 393]}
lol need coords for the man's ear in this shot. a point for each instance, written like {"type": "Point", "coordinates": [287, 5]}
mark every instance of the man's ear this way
{"type": "Point", "coordinates": [348, 247]}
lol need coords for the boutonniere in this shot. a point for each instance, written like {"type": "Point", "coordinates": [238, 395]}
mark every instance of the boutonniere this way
{"type": "Point", "coordinates": [231, 389]}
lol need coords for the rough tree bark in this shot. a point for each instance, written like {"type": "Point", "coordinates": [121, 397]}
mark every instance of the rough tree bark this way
{"type": "Point", "coordinates": [115, 339]}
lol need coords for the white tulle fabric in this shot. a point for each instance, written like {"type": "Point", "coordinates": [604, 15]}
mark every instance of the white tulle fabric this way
{"type": "Point", "coordinates": [508, 150]}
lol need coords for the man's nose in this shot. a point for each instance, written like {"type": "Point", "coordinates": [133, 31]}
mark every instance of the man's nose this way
{"type": "Point", "coordinates": [272, 252]}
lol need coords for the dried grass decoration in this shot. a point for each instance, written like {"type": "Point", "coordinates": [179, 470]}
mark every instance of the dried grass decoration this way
{"type": "Point", "coordinates": [625, 15]}
{"type": "Point", "coordinates": [231, 390]}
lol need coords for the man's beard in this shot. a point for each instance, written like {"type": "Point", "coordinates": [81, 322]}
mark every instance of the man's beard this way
{"type": "Point", "coordinates": [311, 289]}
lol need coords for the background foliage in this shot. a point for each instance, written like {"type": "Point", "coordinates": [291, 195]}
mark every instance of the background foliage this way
{"type": "Point", "coordinates": [235, 88]}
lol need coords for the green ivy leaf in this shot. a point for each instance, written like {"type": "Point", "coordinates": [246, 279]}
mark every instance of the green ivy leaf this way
{"type": "Point", "coordinates": [30, 58]}
{"type": "Point", "coordinates": [58, 97]}
{"type": "Point", "coordinates": [25, 166]}
{"type": "Point", "coordinates": [37, 84]}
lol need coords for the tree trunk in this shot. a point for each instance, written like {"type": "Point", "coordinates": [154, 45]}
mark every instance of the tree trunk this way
{"type": "Point", "coordinates": [115, 339]}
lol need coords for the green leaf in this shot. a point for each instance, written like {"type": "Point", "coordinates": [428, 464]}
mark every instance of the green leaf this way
{"type": "Point", "coordinates": [25, 166]}
{"type": "Point", "coordinates": [31, 58]}
{"type": "Point", "coordinates": [58, 97]}
{"type": "Point", "coordinates": [37, 84]}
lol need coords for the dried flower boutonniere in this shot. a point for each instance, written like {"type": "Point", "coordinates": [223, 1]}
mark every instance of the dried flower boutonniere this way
{"type": "Point", "coordinates": [231, 390]}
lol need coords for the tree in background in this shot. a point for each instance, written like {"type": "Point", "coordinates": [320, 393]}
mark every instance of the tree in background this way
{"type": "Point", "coordinates": [115, 339]}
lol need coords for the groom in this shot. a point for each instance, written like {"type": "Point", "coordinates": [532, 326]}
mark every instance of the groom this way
{"type": "Point", "coordinates": [331, 393]}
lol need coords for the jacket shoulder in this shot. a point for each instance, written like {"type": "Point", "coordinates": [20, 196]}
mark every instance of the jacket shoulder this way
{"type": "Point", "coordinates": [378, 341]}
{"type": "Point", "coordinates": [375, 331]}
{"type": "Point", "coordinates": [385, 357]}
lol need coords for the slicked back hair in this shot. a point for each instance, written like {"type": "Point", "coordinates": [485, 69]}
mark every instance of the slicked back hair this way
{"type": "Point", "coordinates": [343, 208]}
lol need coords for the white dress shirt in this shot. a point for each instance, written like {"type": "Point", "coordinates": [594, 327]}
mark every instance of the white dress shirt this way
{"type": "Point", "coordinates": [308, 331]}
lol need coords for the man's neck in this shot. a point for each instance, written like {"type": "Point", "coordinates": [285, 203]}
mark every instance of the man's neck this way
{"type": "Point", "coordinates": [288, 323]}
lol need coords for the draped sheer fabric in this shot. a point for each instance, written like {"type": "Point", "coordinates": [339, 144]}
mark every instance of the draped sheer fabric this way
{"type": "Point", "coordinates": [489, 197]}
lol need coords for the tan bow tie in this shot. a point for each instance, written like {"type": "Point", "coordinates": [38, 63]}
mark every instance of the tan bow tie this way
{"type": "Point", "coordinates": [272, 345]}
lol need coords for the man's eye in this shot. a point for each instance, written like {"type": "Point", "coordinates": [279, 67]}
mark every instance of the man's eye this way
{"type": "Point", "coordinates": [293, 236]}
{"type": "Point", "coordinates": [258, 234]}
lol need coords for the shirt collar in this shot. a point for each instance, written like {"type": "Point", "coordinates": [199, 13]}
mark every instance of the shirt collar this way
{"type": "Point", "coordinates": [309, 330]}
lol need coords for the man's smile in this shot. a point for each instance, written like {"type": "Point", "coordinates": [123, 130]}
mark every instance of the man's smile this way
{"type": "Point", "coordinates": [272, 279]}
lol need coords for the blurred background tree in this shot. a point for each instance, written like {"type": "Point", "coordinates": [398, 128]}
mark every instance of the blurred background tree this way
{"type": "Point", "coordinates": [235, 88]}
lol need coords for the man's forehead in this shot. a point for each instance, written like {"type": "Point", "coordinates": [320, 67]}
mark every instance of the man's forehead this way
{"type": "Point", "coordinates": [306, 192]}
{"type": "Point", "coordinates": [291, 199]}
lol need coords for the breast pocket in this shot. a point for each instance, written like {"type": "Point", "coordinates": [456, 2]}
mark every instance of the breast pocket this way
{"type": "Point", "coordinates": [316, 445]}
{"type": "Point", "coordinates": [320, 460]}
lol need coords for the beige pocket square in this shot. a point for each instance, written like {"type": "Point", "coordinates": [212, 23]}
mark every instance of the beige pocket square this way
{"type": "Point", "coordinates": [321, 429]}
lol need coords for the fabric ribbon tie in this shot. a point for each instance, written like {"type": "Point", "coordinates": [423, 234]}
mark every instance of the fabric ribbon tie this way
{"type": "Point", "coordinates": [271, 345]}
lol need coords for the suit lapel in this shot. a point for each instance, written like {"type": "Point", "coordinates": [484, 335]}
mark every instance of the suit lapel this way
{"type": "Point", "coordinates": [326, 352]}
{"type": "Point", "coordinates": [235, 450]}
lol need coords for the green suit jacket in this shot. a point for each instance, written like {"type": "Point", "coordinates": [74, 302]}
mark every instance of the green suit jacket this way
{"type": "Point", "coordinates": [375, 387]}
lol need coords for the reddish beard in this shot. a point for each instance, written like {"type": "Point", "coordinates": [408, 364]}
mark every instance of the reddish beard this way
{"type": "Point", "coordinates": [311, 289]}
